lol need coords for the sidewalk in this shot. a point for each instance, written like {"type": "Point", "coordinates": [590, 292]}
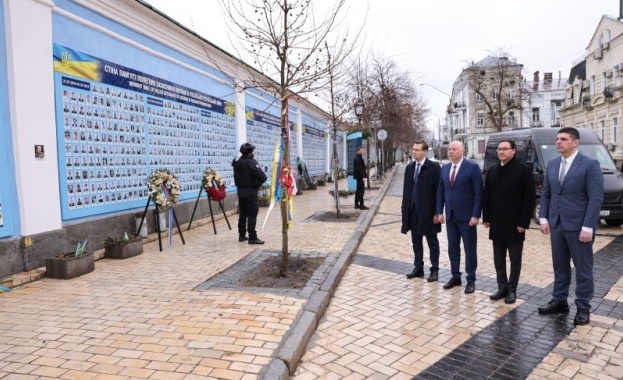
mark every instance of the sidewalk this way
{"type": "Point", "coordinates": [148, 316]}
{"type": "Point", "coordinates": [155, 315]}
{"type": "Point", "coordinates": [380, 325]}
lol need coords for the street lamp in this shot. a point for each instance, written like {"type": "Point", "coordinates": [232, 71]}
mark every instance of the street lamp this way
{"type": "Point", "coordinates": [449, 101]}
{"type": "Point", "coordinates": [359, 107]}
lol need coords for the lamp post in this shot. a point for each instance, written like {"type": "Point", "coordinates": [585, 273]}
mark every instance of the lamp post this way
{"type": "Point", "coordinates": [359, 108]}
{"type": "Point", "coordinates": [449, 101]}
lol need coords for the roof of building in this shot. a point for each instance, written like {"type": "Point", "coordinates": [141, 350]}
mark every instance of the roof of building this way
{"type": "Point", "coordinates": [547, 84]}
{"type": "Point", "coordinates": [578, 70]}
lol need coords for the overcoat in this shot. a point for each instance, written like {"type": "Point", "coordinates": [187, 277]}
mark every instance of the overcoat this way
{"type": "Point", "coordinates": [508, 200]}
{"type": "Point", "coordinates": [423, 207]}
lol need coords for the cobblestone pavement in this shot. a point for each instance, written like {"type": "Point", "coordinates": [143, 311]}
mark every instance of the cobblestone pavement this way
{"type": "Point", "coordinates": [148, 316]}
{"type": "Point", "coordinates": [379, 325]}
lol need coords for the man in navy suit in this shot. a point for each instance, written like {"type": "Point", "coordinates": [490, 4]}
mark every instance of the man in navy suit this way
{"type": "Point", "coordinates": [460, 191]}
{"type": "Point", "coordinates": [571, 198]}
{"type": "Point", "coordinates": [418, 209]}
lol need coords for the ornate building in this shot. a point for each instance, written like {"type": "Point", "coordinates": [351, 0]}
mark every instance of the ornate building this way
{"type": "Point", "coordinates": [594, 88]}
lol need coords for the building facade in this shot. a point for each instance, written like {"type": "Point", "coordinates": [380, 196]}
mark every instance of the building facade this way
{"type": "Point", "coordinates": [487, 97]}
{"type": "Point", "coordinates": [595, 86]}
{"type": "Point", "coordinates": [544, 101]}
{"type": "Point", "coordinates": [95, 96]}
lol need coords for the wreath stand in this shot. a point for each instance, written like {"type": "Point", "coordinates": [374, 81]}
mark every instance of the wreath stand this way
{"type": "Point", "coordinates": [156, 213]}
{"type": "Point", "coordinates": [220, 203]}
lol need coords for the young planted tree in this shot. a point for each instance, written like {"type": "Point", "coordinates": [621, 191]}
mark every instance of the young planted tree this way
{"type": "Point", "coordinates": [286, 41]}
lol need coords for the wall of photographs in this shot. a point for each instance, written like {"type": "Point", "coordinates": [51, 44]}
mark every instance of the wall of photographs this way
{"type": "Point", "coordinates": [314, 149]}
{"type": "Point", "coordinates": [263, 131]}
{"type": "Point", "coordinates": [114, 129]}
{"type": "Point", "coordinates": [294, 143]}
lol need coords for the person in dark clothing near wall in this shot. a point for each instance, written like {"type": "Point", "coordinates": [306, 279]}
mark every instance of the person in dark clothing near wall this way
{"type": "Point", "coordinates": [248, 178]}
{"type": "Point", "coordinates": [509, 198]}
{"type": "Point", "coordinates": [360, 175]}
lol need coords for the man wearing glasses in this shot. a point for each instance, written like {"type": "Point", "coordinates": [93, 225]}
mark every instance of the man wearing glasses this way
{"type": "Point", "coordinates": [419, 197]}
{"type": "Point", "coordinates": [507, 206]}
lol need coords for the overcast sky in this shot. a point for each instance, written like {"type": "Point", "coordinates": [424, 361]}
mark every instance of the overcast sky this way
{"type": "Point", "coordinates": [434, 39]}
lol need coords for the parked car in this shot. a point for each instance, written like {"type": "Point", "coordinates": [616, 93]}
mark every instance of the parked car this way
{"type": "Point", "coordinates": [537, 146]}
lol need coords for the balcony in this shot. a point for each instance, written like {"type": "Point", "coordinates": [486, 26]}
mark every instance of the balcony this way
{"type": "Point", "coordinates": [459, 105]}
{"type": "Point", "coordinates": [608, 94]}
{"type": "Point", "coordinates": [586, 101]}
{"type": "Point", "coordinates": [536, 124]}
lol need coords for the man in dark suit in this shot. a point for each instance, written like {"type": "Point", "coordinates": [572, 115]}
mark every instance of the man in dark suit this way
{"type": "Point", "coordinates": [419, 197]}
{"type": "Point", "coordinates": [571, 198]}
{"type": "Point", "coordinates": [507, 207]}
{"type": "Point", "coordinates": [460, 192]}
{"type": "Point", "coordinates": [360, 175]}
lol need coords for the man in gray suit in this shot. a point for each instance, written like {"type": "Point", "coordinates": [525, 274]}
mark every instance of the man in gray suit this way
{"type": "Point", "coordinates": [571, 198]}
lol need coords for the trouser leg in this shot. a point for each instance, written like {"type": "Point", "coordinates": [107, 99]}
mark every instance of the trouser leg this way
{"type": "Point", "coordinates": [253, 209]}
{"type": "Point", "coordinates": [514, 252]}
{"type": "Point", "coordinates": [499, 260]}
{"type": "Point", "coordinates": [433, 247]}
{"type": "Point", "coordinates": [242, 219]}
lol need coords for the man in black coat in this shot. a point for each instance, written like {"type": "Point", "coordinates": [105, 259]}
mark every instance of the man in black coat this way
{"type": "Point", "coordinates": [419, 197]}
{"type": "Point", "coordinates": [248, 178]}
{"type": "Point", "coordinates": [360, 175]}
{"type": "Point", "coordinates": [508, 202]}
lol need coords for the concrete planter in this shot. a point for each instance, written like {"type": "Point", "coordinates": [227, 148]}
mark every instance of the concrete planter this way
{"type": "Point", "coordinates": [124, 251]}
{"type": "Point", "coordinates": [65, 268]}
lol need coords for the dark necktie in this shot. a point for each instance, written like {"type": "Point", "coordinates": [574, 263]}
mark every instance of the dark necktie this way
{"type": "Point", "coordinates": [452, 175]}
{"type": "Point", "coordinates": [417, 173]}
{"type": "Point", "coordinates": [414, 189]}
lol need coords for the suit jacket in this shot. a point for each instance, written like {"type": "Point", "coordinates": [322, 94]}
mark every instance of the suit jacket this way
{"type": "Point", "coordinates": [575, 203]}
{"type": "Point", "coordinates": [423, 207]}
{"type": "Point", "coordinates": [463, 200]}
{"type": "Point", "coordinates": [508, 200]}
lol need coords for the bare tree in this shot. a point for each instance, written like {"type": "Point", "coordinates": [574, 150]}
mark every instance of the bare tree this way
{"type": "Point", "coordinates": [499, 90]}
{"type": "Point", "coordinates": [392, 98]}
{"type": "Point", "coordinates": [287, 43]}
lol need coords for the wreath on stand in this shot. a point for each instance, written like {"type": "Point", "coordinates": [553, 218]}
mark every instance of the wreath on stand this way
{"type": "Point", "coordinates": [164, 188]}
{"type": "Point", "coordinates": [214, 185]}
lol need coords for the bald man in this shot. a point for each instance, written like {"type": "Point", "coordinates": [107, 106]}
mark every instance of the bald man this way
{"type": "Point", "coordinates": [460, 193]}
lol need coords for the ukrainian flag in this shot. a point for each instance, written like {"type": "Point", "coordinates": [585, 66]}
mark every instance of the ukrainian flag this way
{"type": "Point", "coordinates": [71, 62]}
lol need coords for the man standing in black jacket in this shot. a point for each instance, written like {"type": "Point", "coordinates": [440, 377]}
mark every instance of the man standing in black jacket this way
{"type": "Point", "coordinates": [360, 175]}
{"type": "Point", "coordinates": [507, 207]}
{"type": "Point", "coordinates": [248, 178]}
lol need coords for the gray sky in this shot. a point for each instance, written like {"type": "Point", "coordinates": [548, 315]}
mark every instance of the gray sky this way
{"type": "Point", "coordinates": [434, 39]}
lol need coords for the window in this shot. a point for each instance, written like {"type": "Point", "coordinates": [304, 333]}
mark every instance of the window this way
{"type": "Point", "coordinates": [481, 146]}
{"type": "Point", "coordinates": [592, 85]}
{"type": "Point", "coordinates": [478, 97]}
{"type": "Point", "coordinates": [494, 92]}
{"type": "Point", "coordinates": [511, 93]}
{"type": "Point", "coordinates": [615, 126]}
{"type": "Point", "coordinates": [604, 80]}
{"type": "Point", "coordinates": [603, 130]}
{"type": "Point", "coordinates": [535, 114]}
{"type": "Point", "coordinates": [480, 120]}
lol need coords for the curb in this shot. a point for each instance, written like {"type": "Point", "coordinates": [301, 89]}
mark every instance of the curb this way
{"type": "Point", "coordinates": [288, 354]}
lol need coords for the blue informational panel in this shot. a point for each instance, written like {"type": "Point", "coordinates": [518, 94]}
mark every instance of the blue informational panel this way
{"type": "Point", "coordinates": [314, 145]}
{"type": "Point", "coordinates": [263, 131]}
{"type": "Point", "coordinates": [115, 125]}
{"type": "Point", "coordinates": [8, 208]}
{"type": "Point", "coordinates": [354, 141]}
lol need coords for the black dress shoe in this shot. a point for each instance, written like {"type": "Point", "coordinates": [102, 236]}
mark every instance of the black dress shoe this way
{"type": "Point", "coordinates": [362, 207]}
{"type": "Point", "coordinates": [470, 287]}
{"type": "Point", "coordinates": [256, 241]}
{"type": "Point", "coordinates": [452, 283]}
{"type": "Point", "coordinates": [418, 272]}
{"type": "Point", "coordinates": [242, 238]}
{"type": "Point", "coordinates": [433, 276]}
{"type": "Point", "coordinates": [554, 307]}
{"type": "Point", "coordinates": [511, 297]}
{"type": "Point", "coordinates": [582, 317]}
{"type": "Point", "coordinates": [498, 295]}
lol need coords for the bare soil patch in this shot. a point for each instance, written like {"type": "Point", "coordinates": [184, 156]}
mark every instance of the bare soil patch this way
{"type": "Point", "coordinates": [266, 273]}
